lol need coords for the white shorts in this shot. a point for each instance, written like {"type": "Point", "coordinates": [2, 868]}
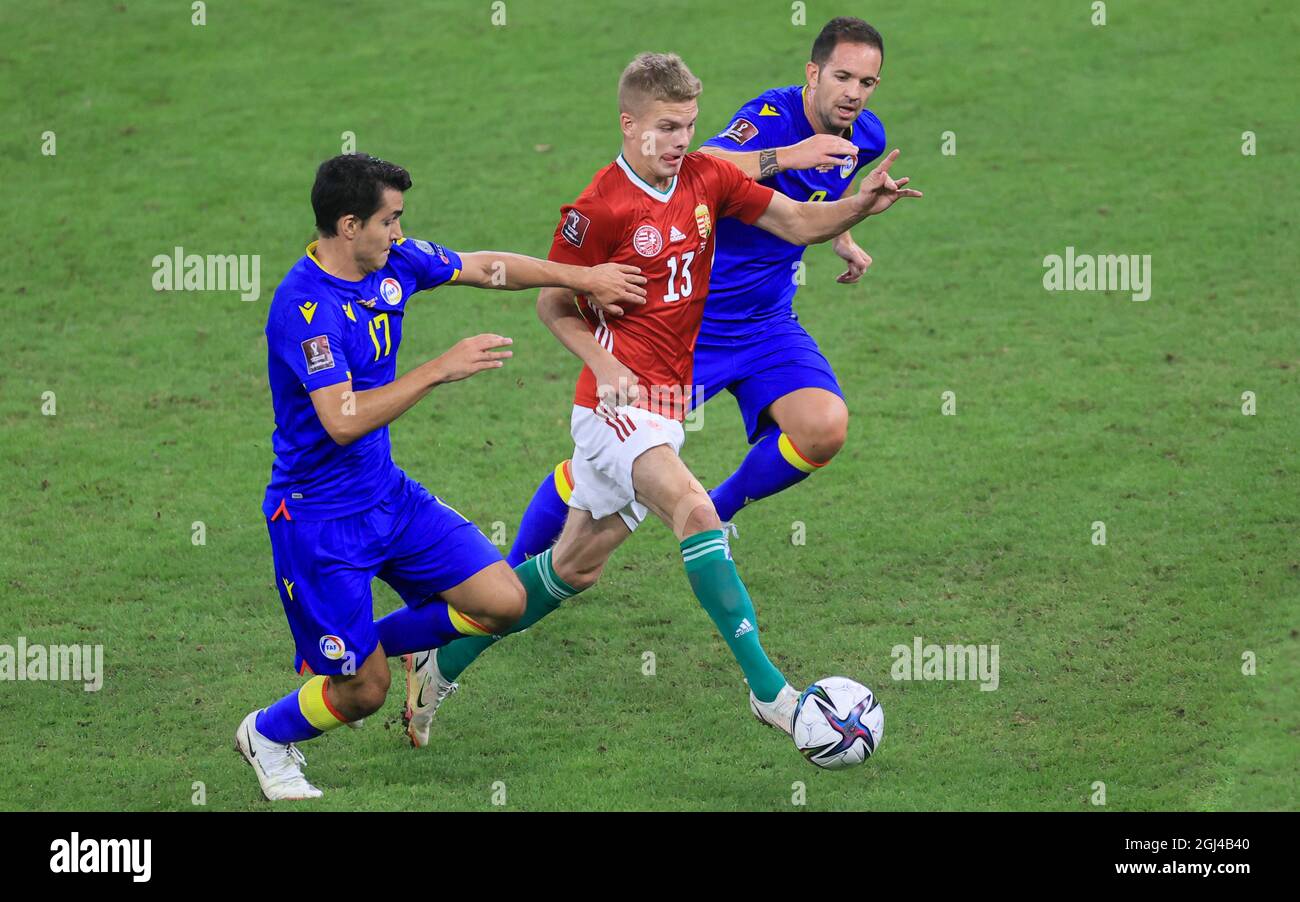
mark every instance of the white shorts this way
{"type": "Point", "coordinates": [603, 452]}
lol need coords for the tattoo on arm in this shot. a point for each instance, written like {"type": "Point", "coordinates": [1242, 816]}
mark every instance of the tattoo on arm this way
{"type": "Point", "coordinates": [767, 166]}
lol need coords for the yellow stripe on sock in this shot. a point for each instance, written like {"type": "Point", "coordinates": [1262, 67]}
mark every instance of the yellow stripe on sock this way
{"type": "Point", "coordinates": [464, 625]}
{"type": "Point", "coordinates": [563, 481]}
{"type": "Point", "coordinates": [316, 707]}
{"type": "Point", "coordinates": [794, 458]}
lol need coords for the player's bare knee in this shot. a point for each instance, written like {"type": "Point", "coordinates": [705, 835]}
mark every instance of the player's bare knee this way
{"type": "Point", "coordinates": [822, 440]}
{"type": "Point", "coordinates": [699, 514]}
{"type": "Point", "coordinates": [359, 695]}
{"type": "Point", "coordinates": [830, 439]}
{"type": "Point", "coordinates": [369, 698]}
{"type": "Point", "coordinates": [514, 603]}
{"type": "Point", "coordinates": [507, 607]}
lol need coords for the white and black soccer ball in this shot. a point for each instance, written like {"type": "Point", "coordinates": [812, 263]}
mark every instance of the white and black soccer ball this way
{"type": "Point", "coordinates": [838, 723]}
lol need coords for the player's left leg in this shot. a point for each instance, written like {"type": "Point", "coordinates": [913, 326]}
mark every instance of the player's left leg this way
{"type": "Point", "coordinates": [356, 695]}
{"type": "Point", "coordinates": [794, 414]}
{"type": "Point", "coordinates": [667, 487]}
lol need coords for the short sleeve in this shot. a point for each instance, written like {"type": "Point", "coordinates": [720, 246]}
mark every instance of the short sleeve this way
{"type": "Point", "coordinates": [736, 194]}
{"type": "Point", "coordinates": [746, 130]}
{"type": "Point", "coordinates": [308, 338]}
{"type": "Point", "coordinates": [433, 264]}
{"type": "Point", "coordinates": [587, 234]}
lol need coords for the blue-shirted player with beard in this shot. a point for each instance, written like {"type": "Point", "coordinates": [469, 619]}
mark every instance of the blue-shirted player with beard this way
{"type": "Point", "coordinates": [807, 141]}
{"type": "Point", "coordinates": [338, 510]}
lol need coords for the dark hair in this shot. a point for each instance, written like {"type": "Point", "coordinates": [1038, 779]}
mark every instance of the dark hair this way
{"type": "Point", "coordinates": [845, 29]}
{"type": "Point", "coordinates": [353, 183]}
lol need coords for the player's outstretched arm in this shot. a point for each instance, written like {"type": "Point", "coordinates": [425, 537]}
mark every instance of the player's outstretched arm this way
{"type": "Point", "coordinates": [558, 312]}
{"type": "Point", "coordinates": [810, 153]}
{"type": "Point", "coordinates": [348, 415]}
{"type": "Point", "coordinates": [813, 223]}
{"type": "Point", "coordinates": [610, 285]}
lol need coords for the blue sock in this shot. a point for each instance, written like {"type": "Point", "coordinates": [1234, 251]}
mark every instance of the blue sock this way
{"type": "Point", "coordinates": [431, 625]}
{"type": "Point", "coordinates": [303, 714]}
{"type": "Point", "coordinates": [772, 465]}
{"type": "Point", "coordinates": [544, 518]}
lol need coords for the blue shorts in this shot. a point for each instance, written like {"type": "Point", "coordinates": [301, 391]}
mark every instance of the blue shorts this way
{"type": "Point", "coordinates": [323, 568]}
{"type": "Point", "coordinates": [761, 368]}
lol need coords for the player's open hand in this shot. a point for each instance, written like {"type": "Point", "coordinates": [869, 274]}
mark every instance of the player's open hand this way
{"type": "Point", "coordinates": [473, 355]}
{"type": "Point", "coordinates": [880, 190]}
{"type": "Point", "coordinates": [821, 152]}
{"type": "Point", "coordinates": [615, 286]}
{"type": "Point", "coordinates": [857, 259]}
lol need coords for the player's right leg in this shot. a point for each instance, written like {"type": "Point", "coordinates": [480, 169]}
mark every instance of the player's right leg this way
{"type": "Point", "coordinates": [667, 487]}
{"type": "Point", "coordinates": [603, 513]}
{"type": "Point", "coordinates": [323, 570]}
{"type": "Point", "coordinates": [545, 515]}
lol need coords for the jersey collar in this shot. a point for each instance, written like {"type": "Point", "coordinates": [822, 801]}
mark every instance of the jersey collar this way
{"type": "Point", "coordinates": [662, 196]}
{"type": "Point", "coordinates": [311, 255]}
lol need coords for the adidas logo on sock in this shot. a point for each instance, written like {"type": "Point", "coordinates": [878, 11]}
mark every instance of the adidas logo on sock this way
{"type": "Point", "coordinates": [745, 627]}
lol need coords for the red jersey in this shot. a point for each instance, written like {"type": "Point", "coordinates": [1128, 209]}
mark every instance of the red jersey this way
{"type": "Point", "coordinates": [619, 218]}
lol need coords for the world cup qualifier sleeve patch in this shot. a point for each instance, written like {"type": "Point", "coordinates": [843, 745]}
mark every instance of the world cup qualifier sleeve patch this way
{"type": "Point", "coordinates": [318, 354]}
{"type": "Point", "coordinates": [740, 131]}
{"type": "Point", "coordinates": [574, 228]}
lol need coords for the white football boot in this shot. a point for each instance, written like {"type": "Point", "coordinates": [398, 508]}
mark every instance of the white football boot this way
{"type": "Point", "coordinates": [779, 712]}
{"type": "Point", "coordinates": [278, 766]}
{"type": "Point", "coordinates": [425, 691]}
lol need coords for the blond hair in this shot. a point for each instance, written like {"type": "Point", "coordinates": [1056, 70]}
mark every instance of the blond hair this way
{"type": "Point", "coordinates": [656, 76]}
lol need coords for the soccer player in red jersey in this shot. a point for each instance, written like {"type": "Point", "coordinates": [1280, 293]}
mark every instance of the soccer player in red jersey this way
{"type": "Point", "coordinates": [657, 206]}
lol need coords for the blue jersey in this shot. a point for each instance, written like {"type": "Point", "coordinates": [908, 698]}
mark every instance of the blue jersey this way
{"type": "Point", "coordinates": [753, 270]}
{"type": "Point", "coordinates": [322, 330]}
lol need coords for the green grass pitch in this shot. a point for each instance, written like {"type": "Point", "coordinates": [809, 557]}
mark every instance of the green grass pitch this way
{"type": "Point", "coordinates": [1119, 663]}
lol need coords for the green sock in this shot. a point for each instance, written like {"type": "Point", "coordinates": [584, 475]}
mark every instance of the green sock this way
{"type": "Point", "coordinates": [721, 593]}
{"type": "Point", "coordinates": [545, 592]}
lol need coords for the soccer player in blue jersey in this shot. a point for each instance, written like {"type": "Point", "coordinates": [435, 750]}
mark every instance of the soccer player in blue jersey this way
{"type": "Point", "coordinates": [751, 342]}
{"type": "Point", "coordinates": [807, 142]}
{"type": "Point", "coordinates": [338, 509]}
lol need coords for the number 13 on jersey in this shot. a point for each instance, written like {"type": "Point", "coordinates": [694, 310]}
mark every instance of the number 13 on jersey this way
{"type": "Point", "coordinates": [685, 263]}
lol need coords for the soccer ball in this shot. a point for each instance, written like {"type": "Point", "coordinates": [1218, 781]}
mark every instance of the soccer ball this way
{"type": "Point", "coordinates": [838, 723]}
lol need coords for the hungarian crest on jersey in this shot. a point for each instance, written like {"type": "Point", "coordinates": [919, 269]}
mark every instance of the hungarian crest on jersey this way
{"type": "Point", "coordinates": [702, 221]}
